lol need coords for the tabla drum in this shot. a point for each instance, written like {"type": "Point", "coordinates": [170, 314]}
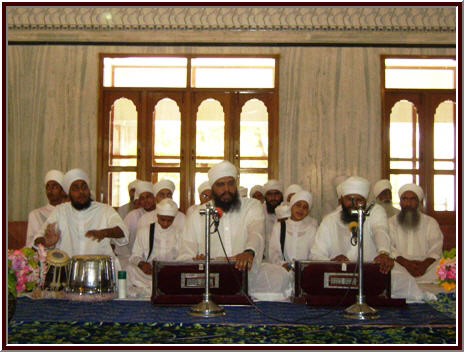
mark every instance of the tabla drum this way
{"type": "Point", "coordinates": [91, 278]}
{"type": "Point", "coordinates": [58, 270]}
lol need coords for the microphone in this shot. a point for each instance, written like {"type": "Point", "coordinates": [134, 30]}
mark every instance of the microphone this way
{"type": "Point", "coordinates": [353, 226]}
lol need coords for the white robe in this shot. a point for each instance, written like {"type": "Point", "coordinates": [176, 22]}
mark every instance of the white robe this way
{"type": "Point", "coordinates": [73, 224]}
{"type": "Point", "coordinates": [165, 247]}
{"type": "Point", "coordinates": [125, 209]}
{"type": "Point", "coordinates": [333, 237]}
{"type": "Point", "coordinates": [269, 221]}
{"type": "Point", "coordinates": [131, 221]}
{"type": "Point", "coordinates": [36, 219]}
{"type": "Point", "coordinates": [239, 230]}
{"type": "Point", "coordinates": [149, 217]}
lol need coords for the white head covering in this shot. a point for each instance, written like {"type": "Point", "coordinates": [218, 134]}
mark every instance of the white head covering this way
{"type": "Point", "coordinates": [203, 187]}
{"type": "Point", "coordinates": [74, 175]}
{"type": "Point", "coordinates": [282, 211]}
{"type": "Point", "coordinates": [243, 191]}
{"type": "Point", "coordinates": [355, 185]}
{"type": "Point", "coordinates": [142, 187]}
{"type": "Point", "coordinates": [55, 175]}
{"type": "Point", "coordinates": [413, 188]}
{"type": "Point", "coordinates": [167, 207]}
{"type": "Point", "coordinates": [381, 186]}
{"type": "Point", "coordinates": [302, 195]}
{"type": "Point", "coordinates": [163, 184]}
{"type": "Point", "coordinates": [131, 185]}
{"type": "Point", "coordinates": [223, 169]}
{"type": "Point", "coordinates": [273, 185]}
{"type": "Point", "coordinates": [257, 188]}
{"type": "Point", "coordinates": [292, 189]}
{"type": "Point", "coordinates": [337, 181]}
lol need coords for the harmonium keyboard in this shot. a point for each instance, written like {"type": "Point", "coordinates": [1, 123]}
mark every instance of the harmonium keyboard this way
{"type": "Point", "coordinates": [183, 283]}
{"type": "Point", "coordinates": [329, 283]}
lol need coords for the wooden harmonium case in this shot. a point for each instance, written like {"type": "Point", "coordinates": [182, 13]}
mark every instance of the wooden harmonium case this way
{"type": "Point", "coordinates": [183, 283]}
{"type": "Point", "coordinates": [329, 283]}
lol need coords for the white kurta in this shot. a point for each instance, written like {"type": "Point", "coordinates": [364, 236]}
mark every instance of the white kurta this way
{"type": "Point", "coordinates": [131, 221]}
{"type": "Point", "coordinates": [269, 221]}
{"type": "Point", "coordinates": [165, 247]}
{"type": "Point", "coordinates": [74, 224]}
{"type": "Point", "coordinates": [239, 230]}
{"type": "Point", "coordinates": [36, 219]}
{"type": "Point", "coordinates": [147, 218]}
{"type": "Point", "coordinates": [333, 237]}
{"type": "Point", "coordinates": [123, 210]}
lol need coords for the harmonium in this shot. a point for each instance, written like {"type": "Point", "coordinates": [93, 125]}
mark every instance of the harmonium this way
{"type": "Point", "coordinates": [183, 283]}
{"type": "Point", "coordinates": [329, 283]}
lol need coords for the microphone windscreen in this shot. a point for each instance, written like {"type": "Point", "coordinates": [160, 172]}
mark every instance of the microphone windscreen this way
{"type": "Point", "coordinates": [220, 212]}
{"type": "Point", "coordinates": [352, 225]}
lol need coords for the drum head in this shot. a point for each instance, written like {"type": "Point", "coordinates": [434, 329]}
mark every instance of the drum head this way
{"type": "Point", "coordinates": [57, 257]}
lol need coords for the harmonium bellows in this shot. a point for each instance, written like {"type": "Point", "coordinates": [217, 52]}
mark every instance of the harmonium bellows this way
{"type": "Point", "coordinates": [183, 283]}
{"type": "Point", "coordinates": [329, 283]}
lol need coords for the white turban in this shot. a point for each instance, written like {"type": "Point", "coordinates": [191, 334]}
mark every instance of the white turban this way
{"type": "Point", "coordinates": [337, 182]}
{"type": "Point", "coordinates": [166, 207]}
{"type": "Point", "coordinates": [131, 185]}
{"type": "Point", "coordinates": [355, 185]}
{"type": "Point", "coordinates": [55, 175]}
{"type": "Point", "coordinates": [243, 191]}
{"type": "Point", "coordinates": [223, 169]}
{"type": "Point", "coordinates": [142, 187]}
{"type": "Point", "coordinates": [292, 189]}
{"type": "Point", "coordinates": [381, 186]}
{"type": "Point", "coordinates": [257, 188]}
{"type": "Point", "coordinates": [413, 188]}
{"type": "Point", "coordinates": [163, 184]}
{"type": "Point", "coordinates": [302, 195]}
{"type": "Point", "coordinates": [204, 187]}
{"type": "Point", "coordinates": [282, 211]}
{"type": "Point", "coordinates": [273, 185]}
{"type": "Point", "coordinates": [74, 175]}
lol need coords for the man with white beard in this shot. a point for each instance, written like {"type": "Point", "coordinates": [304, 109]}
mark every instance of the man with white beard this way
{"type": "Point", "coordinates": [383, 196]}
{"type": "Point", "coordinates": [416, 238]}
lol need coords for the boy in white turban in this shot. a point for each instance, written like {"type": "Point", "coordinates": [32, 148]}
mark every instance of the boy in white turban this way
{"type": "Point", "coordinates": [204, 195]}
{"type": "Point", "coordinates": [82, 226]}
{"type": "Point", "coordinates": [123, 210]}
{"type": "Point", "coordinates": [162, 247]}
{"type": "Point", "coordinates": [55, 195]}
{"type": "Point", "coordinates": [257, 192]}
{"type": "Point", "coordinates": [383, 196]}
{"type": "Point", "coordinates": [416, 242]}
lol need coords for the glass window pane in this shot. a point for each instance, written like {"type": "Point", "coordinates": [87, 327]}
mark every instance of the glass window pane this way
{"type": "Point", "coordinates": [444, 165]}
{"type": "Point", "coordinates": [233, 72]}
{"type": "Point", "coordinates": [443, 131]}
{"type": "Point", "coordinates": [174, 177]}
{"type": "Point", "coordinates": [145, 72]}
{"type": "Point", "coordinates": [254, 134]}
{"type": "Point", "coordinates": [444, 193]}
{"type": "Point", "coordinates": [118, 182]}
{"type": "Point", "coordinates": [401, 130]}
{"type": "Point", "coordinates": [407, 165]}
{"type": "Point", "coordinates": [123, 133]}
{"type": "Point", "coordinates": [166, 135]}
{"type": "Point", "coordinates": [249, 180]}
{"type": "Point", "coordinates": [210, 133]}
{"type": "Point", "coordinates": [397, 181]}
{"type": "Point", "coordinates": [200, 177]}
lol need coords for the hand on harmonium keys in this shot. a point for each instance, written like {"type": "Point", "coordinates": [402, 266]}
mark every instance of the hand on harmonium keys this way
{"type": "Point", "coordinates": [340, 258]}
{"type": "Point", "coordinates": [52, 235]}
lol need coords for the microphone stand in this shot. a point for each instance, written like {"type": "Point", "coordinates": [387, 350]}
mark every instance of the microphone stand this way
{"type": "Point", "coordinates": [361, 310]}
{"type": "Point", "coordinates": [207, 308]}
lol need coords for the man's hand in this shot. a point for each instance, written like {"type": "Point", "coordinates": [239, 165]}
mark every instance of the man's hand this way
{"type": "Point", "coordinates": [340, 258]}
{"type": "Point", "coordinates": [96, 235]}
{"type": "Point", "coordinates": [145, 267]}
{"type": "Point", "coordinates": [199, 257]}
{"type": "Point", "coordinates": [286, 266]}
{"type": "Point", "coordinates": [51, 235]}
{"type": "Point", "coordinates": [243, 260]}
{"type": "Point", "coordinates": [412, 266]}
{"type": "Point", "coordinates": [386, 263]}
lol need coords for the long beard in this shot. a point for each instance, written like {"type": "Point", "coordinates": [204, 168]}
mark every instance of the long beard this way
{"type": "Point", "coordinates": [346, 215]}
{"type": "Point", "coordinates": [409, 218]}
{"type": "Point", "coordinates": [387, 205]}
{"type": "Point", "coordinates": [233, 204]}
{"type": "Point", "coordinates": [271, 207]}
{"type": "Point", "coordinates": [79, 206]}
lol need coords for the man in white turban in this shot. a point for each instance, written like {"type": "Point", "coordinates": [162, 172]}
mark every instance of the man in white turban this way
{"type": "Point", "coordinates": [257, 192]}
{"type": "Point", "coordinates": [333, 237]}
{"type": "Point", "coordinates": [273, 195]}
{"type": "Point", "coordinates": [290, 191]}
{"type": "Point", "coordinates": [416, 242]}
{"type": "Point", "coordinates": [123, 210]}
{"type": "Point", "coordinates": [240, 227]}
{"type": "Point", "coordinates": [82, 226]}
{"type": "Point", "coordinates": [383, 196]}
{"type": "Point", "coordinates": [163, 189]}
{"type": "Point", "coordinates": [157, 241]}
{"type": "Point", "coordinates": [204, 194]}
{"type": "Point", "coordinates": [55, 194]}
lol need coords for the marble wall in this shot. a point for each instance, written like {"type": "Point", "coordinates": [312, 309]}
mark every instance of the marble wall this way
{"type": "Point", "coordinates": [330, 113]}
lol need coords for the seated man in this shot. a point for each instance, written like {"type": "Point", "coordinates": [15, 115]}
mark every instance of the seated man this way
{"type": "Point", "coordinates": [164, 247]}
{"type": "Point", "coordinates": [383, 196]}
{"type": "Point", "coordinates": [55, 194]}
{"type": "Point", "coordinates": [123, 210]}
{"type": "Point", "coordinates": [257, 192]}
{"type": "Point", "coordinates": [204, 193]}
{"type": "Point", "coordinates": [273, 196]}
{"type": "Point", "coordinates": [82, 226]}
{"type": "Point", "coordinates": [416, 238]}
{"type": "Point", "coordinates": [240, 228]}
{"type": "Point", "coordinates": [333, 238]}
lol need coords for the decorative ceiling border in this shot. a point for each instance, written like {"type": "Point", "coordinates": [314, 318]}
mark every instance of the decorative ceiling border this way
{"type": "Point", "coordinates": [281, 19]}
